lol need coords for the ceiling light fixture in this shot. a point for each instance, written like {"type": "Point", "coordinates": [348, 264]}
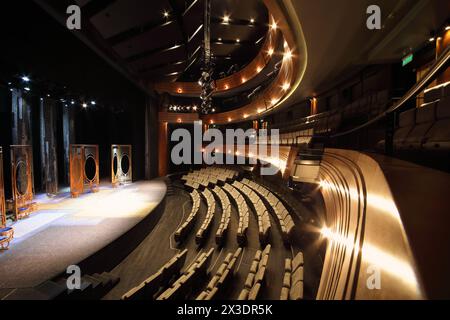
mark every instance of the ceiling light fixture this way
{"type": "Point", "coordinates": [238, 40]}
{"type": "Point", "coordinates": [252, 20]}
{"type": "Point", "coordinates": [226, 19]}
{"type": "Point", "coordinates": [274, 25]}
{"type": "Point", "coordinates": [25, 79]}
{"type": "Point", "coordinates": [84, 105]}
{"type": "Point", "coordinates": [166, 14]}
{"type": "Point", "coordinates": [286, 86]}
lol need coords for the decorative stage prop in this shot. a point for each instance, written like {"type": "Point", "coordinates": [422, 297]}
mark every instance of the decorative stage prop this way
{"type": "Point", "coordinates": [22, 181]}
{"type": "Point", "coordinates": [121, 165]}
{"type": "Point", "coordinates": [84, 168]}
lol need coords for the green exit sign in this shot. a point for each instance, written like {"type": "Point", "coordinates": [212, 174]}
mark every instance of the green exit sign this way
{"type": "Point", "coordinates": [407, 59]}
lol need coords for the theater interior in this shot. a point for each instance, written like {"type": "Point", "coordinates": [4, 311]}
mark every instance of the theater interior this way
{"type": "Point", "coordinates": [347, 102]}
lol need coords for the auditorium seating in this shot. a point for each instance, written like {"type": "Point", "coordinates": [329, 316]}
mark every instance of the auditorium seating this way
{"type": "Point", "coordinates": [226, 214]}
{"type": "Point", "coordinates": [256, 276]}
{"type": "Point", "coordinates": [151, 287]}
{"type": "Point", "coordinates": [276, 206]}
{"type": "Point", "coordinates": [301, 131]}
{"type": "Point", "coordinates": [426, 128]}
{"type": "Point", "coordinates": [260, 210]}
{"type": "Point", "coordinates": [243, 212]}
{"type": "Point", "coordinates": [190, 279]}
{"type": "Point", "coordinates": [207, 223]}
{"type": "Point", "coordinates": [293, 279]}
{"type": "Point", "coordinates": [184, 229]}
{"type": "Point", "coordinates": [222, 278]}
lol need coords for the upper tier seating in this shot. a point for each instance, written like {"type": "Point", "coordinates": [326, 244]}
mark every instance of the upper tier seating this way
{"type": "Point", "coordinates": [256, 276]}
{"type": "Point", "coordinates": [424, 129]}
{"type": "Point", "coordinates": [300, 132]}
{"type": "Point", "coordinates": [151, 287]}
{"type": "Point", "coordinates": [226, 214]}
{"type": "Point", "coordinates": [284, 218]}
{"type": "Point", "coordinates": [243, 211]}
{"type": "Point", "coordinates": [293, 279]}
{"type": "Point", "coordinates": [189, 279]}
{"type": "Point", "coordinates": [207, 223]}
{"type": "Point", "coordinates": [184, 229]}
{"type": "Point", "coordinates": [259, 208]}
{"type": "Point", "coordinates": [222, 277]}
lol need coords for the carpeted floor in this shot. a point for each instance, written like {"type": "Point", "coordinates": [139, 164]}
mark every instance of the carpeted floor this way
{"type": "Point", "coordinates": [65, 231]}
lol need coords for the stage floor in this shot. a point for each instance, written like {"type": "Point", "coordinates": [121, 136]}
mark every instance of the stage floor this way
{"type": "Point", "coordinates": [65, 231]}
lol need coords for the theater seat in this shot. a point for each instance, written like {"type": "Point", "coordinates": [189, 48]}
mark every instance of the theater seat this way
{"type": "Point", "coordinates": [406, 124]}
{"type": "Point", "coordinates": [425, 116]}
{"type": "Point", "coordinates": [438, 137]}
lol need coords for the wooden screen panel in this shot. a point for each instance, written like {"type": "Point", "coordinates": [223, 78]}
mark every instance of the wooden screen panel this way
{"type": "Point", "coordinates": [121, 165]}
{"type": "Point", "coordinates": [2, 193]}
{"type": "Point", "coordinates": [84, 169]}
{"type": "Point", "coordinates": [22, 180]}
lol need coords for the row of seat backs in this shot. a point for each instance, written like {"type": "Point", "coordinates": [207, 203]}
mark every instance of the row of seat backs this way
{"type": "Point", "coordinates": [223, 173]}
{"type": "Point", "coordinates": [226, 214]}
{"type": "Point", "coordinates": [256, 276]}
{"type": "Point", "coordinates": [285, 220]}
{"type": "Point", "coordinates": [330, 121]}
{"type": "Point", "coordinates": [222, 276]}
{"type": "Point", "coordinates": [161, 279]}
{"type": "Point", "coordinates": [375, 102]}
{"type": "Point", "coordinates": [293, 278]}
{"type": "Point", "coordinates": [201, 179]}
{"type": "Point", "coordinates": [192, 184]}
{"type": "Point", "coordinates": [437, 92]}
{"type": "Point", "coordinates": [243, 211]}
{"type": "Point", "coordinates": [187, 226]}
{"type": "Point", "coordinates": [424, 126]}
{"type": "Point", "coordinates": [189, 279]}
{"type": "Point", "coordinates": [207, 223]}
{"type": "Point", "coordinates": [260, 209]}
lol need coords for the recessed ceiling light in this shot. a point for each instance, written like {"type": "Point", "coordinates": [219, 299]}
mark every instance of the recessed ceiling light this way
{"type": "Point", "coordinates": [252, 20]}
{"type": "Point", "coordinates": [166, 14]}
{"type": "Point", "coordinates": [226, 19]}
{"type": "Point", "coordinates": [219, 39]}
{"type": "Point", "coordinates": [238, 40]}
{"type": "Point", "coordinates": [84, 105]}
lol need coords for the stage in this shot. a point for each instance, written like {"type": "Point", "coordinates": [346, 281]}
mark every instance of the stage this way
{"type": "Point", "coordinates": [84, 231]}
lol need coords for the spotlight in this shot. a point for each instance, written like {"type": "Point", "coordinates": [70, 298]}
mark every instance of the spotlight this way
{"type": "Point", "coordinates": [27, 89]}
{"type": "Point", "coordinates": [229, 119]}
{"type": "Point", "coordinates": [238, 40]}
{"type": "Point", "coordinates": [288, 54]}
{"type": "Point", "coordinates": [274, 101]}
{"type": "Point", "coordinates": [270, 51]}
{"type": "Point", "coordinates": [252, 20]}
{"type": "Point", "coordinates": [166, 14]}
{"type": "Point", "coordinates": [286, 86]}
{"type": "Point", "coordinates": [274, 26]}
{"type": "Point", "coordinates": [25, 79]}
{"type": "Point", "coordinates": [93, 103]}
{"type": "Point", "coordinates": [226, 87]}
{"type": "Point", "coordinates": [258, 69]}
{"type": "Point", "coordinates": [219, 39]}
{"type": "Point", "coordinates": [84, 105]}
{"type": "Point", "coordinates": [213, 110]}
{"type": "Point", "coordinates": [244, 80]}
{"type": "Point", "coordinates": [72, 102]}
{"type": "Point", "coordinates": [431, 39]}
{"type": "Point", "coordinates": [226, 19]}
